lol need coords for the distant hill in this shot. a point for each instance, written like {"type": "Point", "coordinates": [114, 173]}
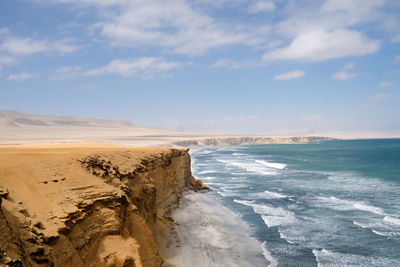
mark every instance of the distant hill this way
{"type": "Point", "coordinates": [16, 119]}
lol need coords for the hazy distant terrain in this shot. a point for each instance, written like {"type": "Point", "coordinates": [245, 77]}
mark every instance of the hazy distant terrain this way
{"type": "Point", "coordinates": [17, 127]}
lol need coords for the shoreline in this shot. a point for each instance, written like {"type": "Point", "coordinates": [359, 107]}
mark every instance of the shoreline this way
{"type": "Point", "coordinates": [206, 233]}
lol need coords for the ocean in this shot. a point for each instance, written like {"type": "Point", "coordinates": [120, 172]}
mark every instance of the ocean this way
{"type": "Point", "coordinates": [334, 203]}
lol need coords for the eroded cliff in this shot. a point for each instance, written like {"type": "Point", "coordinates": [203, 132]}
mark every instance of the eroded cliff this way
{"type": "Point", "coordinates": [88, 205]}
{"type": "Point", "coordinates": [249, 140]}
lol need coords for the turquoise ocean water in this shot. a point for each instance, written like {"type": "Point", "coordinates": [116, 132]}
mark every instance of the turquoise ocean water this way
{"type": "Point", "coordinates": [335, 203]}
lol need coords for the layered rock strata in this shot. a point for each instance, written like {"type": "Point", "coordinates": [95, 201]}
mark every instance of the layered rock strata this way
{"type": "Point", "coordinates": [88, 205]}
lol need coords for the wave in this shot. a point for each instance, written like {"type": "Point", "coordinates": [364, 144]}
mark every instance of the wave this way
{"type": "Point", "coordinates": [391, 220]}
{"type": "Point", "coordinates": [325, 257]}
{"type": "Point", "coordinates": [206, 172]}
{"type": "Point", "coordinates": [361, 225]}
{"type": "Point", "coordinates": [267, 195]}
{"type": "Point", "coordinates": [382, 232]}
{"type": "Point", "coordinates": [252, 167]}
{"type": "Point", "coordinates": [273, 221]}
{"type": "Point", "coordinates": [227, 193]}
{"type": "Point", "coordinates": [372, 209]}
{"type": "Point", "coordinates": [386, 234]}
{"type": "Point", "coordinates": [208, 178]}
{"type": "Point", "coordinates": [344, 204]}
{"type": "Point", "coordinates": [273, 262]}
{"type": "Point", "coordinates": [273, 165]}
{"type": "Point", "coordinates": [272, 216]}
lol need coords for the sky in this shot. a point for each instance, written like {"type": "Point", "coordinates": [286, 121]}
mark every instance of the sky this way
{"type": "Point", "coordinates": [271, 67]}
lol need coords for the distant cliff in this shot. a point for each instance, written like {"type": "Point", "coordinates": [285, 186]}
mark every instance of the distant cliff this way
{"type": "Point", "coordinates": [249, 140]}
{"type": "Point", "coordinates": [66, 205]}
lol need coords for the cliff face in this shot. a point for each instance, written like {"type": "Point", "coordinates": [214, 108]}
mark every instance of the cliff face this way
{"type": "Point", "coordinates": [249, 140]}
{"type": "Point", "coordinates": [91, 206]}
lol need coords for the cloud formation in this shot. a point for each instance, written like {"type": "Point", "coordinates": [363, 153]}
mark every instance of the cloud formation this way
{"type": "Point", "coordinates": [145, 67]}
{"type": "Point", "coordinates": [290, 75]}
{"type": "Point", "coordinates": [322, 45]}
{"type": "Point", "coordinates": [26, 46]}
{"type": "Point", "coordinates": [173, 25]}
{"type": "Point", "coordinates": [20, 77]}
{"type": "Point", "coordinates": [344, 75]}
{"type": "Point", "coordinates": [262, 6]}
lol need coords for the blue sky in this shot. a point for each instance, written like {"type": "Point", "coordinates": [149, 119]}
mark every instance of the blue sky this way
{"type": "Point", "coordinates": [238, 66]}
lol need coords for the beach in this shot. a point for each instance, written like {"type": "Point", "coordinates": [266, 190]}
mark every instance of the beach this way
{"type": "Point", "coordinates": [208, 234]}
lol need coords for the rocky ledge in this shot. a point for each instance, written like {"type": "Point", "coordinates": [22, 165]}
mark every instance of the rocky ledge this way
{"type": "Point", "coordinates": [88, 206]}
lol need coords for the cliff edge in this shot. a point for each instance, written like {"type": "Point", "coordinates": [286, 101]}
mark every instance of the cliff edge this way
{"type": "Point", "coordinates": [88, 204]}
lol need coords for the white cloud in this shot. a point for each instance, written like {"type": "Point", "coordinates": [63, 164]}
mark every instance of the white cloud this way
{"type": "Point", "coordinates": [233, 64]}
{"type": "Point", "coordinates": [290, 75]}
{"type": "Point", "coordinates": [67, 73]}
{"type": "Point", "coordinates": [382, 96]}
{"type": "Point", "coordinates": [19, 77]}
{"type": "Point", "coordinates": [22, 46]}
{"type": "Point", "coordinates": [386, 84]}
{"type": "Point", "coordinates": [322, 45]}
{"type": "Point", "coordinates": [145, 67]}
{"type": "Point", "coordinates": [359, 6]}
{"type": "Point", "coordinates": [396, 39]}
{"type": "Point", "coordinates": [344, 75]}
{"type": "Point", "coordinates": [25, 46]}
{"type": "Point", "coordinates": [7, 60]}
{"type": "Point", "coordinates": [330, 15]}
{"type": "Point", "coordinates": [176, 26]}
{"type": "Point", "coordinates": [349, 66]}
{"type": "Point", "coordinates": [262, 6]}
{"type": "Point", "coordinates": [397, 58]}
{"type": "Point", "coordinates": [103, 3]}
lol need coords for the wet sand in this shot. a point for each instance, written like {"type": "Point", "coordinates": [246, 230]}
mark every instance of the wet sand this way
{"type": "Point", "coordinates": [208, 234]}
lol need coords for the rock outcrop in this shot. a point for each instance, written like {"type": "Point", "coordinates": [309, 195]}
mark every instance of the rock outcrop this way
{"type": "Point", "coordinates": [97, 205]}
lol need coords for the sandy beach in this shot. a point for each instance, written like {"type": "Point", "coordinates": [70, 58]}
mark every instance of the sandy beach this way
{"type": "Point", "coordinates": [208, 234]}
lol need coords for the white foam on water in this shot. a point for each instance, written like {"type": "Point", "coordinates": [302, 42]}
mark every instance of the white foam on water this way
{"type": "Point", "coordinates": [391, 220]}
{"type": "Point", "coordinates": [208, 178]}
{"type": "Point", "coordinates": [291, 238]}
{"type": "Point", "coordinates": [344, 204]}
{"type": "Point", "coordinates": [234, 186]}
{"type": "Point", "coordinates": [387, 234]}
{"type": "Point", "coordinates": [273, 262]}
{"type": "Point", "coordinates": [273, 165]}
{"type": "Point", "coordinates": [272, 216]}
{"type": "Point", "coordinates": [227, 193]}
{"type": "Point", "coordinates": [361, 225]}
{"type": "Point", "coordinates": [267, 195]}
{"type": "Point", "coordinates": [252, 167]}
{"type": "Point", "coordinates": [273, 221]}
{"type": "Point", "coordinates": [327, 258]}
{"type": "Point", "coordinates": [207, 172]}
{"type": "Point", "coordinates": [364, 207]}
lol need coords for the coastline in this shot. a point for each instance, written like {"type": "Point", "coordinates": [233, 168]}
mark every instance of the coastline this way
{"type": "Point", "coordinates": [206, 233]}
